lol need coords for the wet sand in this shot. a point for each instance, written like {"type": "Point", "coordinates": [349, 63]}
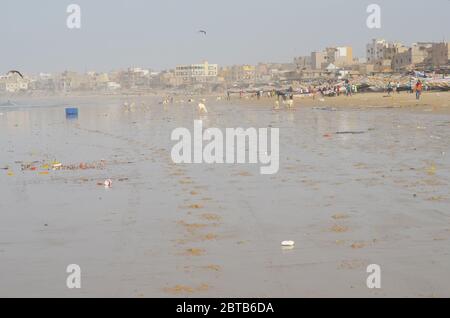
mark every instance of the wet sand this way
{"type": "Point", "coordinates": [167, 230]}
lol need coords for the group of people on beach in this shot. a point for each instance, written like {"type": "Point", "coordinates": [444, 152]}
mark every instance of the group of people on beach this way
{"type": "Point", "coordinates": [417, 88]}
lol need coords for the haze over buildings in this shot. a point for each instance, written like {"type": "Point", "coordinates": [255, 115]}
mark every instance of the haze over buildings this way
{"type": "Point", "coordinates": [160, 35]}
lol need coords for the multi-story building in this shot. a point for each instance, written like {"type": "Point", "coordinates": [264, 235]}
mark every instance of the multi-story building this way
{"type": "Point", "coordinates": [417, 54]}
{"type": "Point", "coordinates": [375, 50]}
{"type": "Point", "coordinates": [196, 73]}
{"type": "Point", "coordinates": [317, 60]}
{"type": "Point", "coordinates": [381, 54]}
{"type": "Point", "coordinates": [303, 62]}
{"type": "Point", "coordinates": [134, 78]}
{"type": "Point", "coordinates": [13, 83]}
{"type": "Point", "coordinates": [440, 55]}
{"type": "Point", "coordinates": [339, 56]}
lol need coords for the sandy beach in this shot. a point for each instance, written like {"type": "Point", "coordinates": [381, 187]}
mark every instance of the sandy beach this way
{"type": "Point", "coordinates": [380, 196]}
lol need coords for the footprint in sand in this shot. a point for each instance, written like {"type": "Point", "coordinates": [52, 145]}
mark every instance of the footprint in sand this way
{"type": "Point", "coordinates": [340, 216]}
{"type": "Point", "coordinates": [194, 252]}
{"type": "Point", "coordinates": [182, 289]}
{"type": "Point", "coordinates": [195, 206]}
{"type": "Point", "coordinates": [211, 217]}
{"type": "Point", "coordinates": [358, 245]}
{"type": "Point", "coordinates": [339, 228]}
{"type": "Point", "coordinates": [215, 268]}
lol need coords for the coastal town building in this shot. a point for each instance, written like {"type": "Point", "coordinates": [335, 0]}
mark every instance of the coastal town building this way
{"type": "Point", "coordinates": [13, 83]}
{"type": "Point", "coordinates": [196, 73]}
{"type": "Point", "coordinates": [317, 60]}
{"type": "Point", "coordinates": [440, 55]}
{"type": "Point", "coordinates": [303, 62]}
{"type": "Point", "coordinates": [375, 50]}
{"type": "Point", "coordinates": [340, 56]}
{"type": "Point", "coordinates": [381, 53]}
{"type": "Point", "coordinates": [408, 60]}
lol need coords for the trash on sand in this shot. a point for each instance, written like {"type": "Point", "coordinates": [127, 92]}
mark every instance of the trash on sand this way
{"type": "Point", "coordinates": [10, 173]}
{"type": "Point", "coordinates": [108, 183]}
{"type": "Point", "coordinates": [287, 243]}
{"type": "Point", "coordinates": [330, 109]}
{"type": "Point", "coordinates": [327, 135]}
{"type": "Point", "coordinates": [71, 113]}
{"type": "Point", "coordinates": [44, 173]}
{"type": "Point", "coordinates": [431, 170]}
{"type": "Point", "coordinates": [350, 132]}
{"type": "Point", "coordinates": [56, 165]}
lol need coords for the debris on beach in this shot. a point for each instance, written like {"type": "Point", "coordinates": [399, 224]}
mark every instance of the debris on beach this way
{"type": "Point", "coordinates": [340, 216]}
{"type": "Point", "coordinates": [339, 228]}
{"type": "Point", "coordinates": [195, 252]}
{"type": "Point", "coordinates": [330, 109]}
{"type": "Point", "coordinates": [431, 170]}
{"type": "Point", "coordinates": [107, 183]}
{"type": "Point", "coordinates": [350, 132]}
{"type": "Point", "coordinates": [56, 165]}
{"type": "Point", "coordinates": [181, 289]}
{"type": "Point", "coordinates": [288, 243]}
{"type": "Point", "coordinates": [358, 245]}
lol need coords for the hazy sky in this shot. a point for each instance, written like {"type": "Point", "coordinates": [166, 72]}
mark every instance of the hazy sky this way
{"type": "Point", "coordinates": [160, 34]}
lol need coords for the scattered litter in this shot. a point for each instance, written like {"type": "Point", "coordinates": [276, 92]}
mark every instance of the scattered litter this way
{"type": "Point", "coordinates": [108, 183]}
{"type": "Point", "coordinates": [56, 165]}
{"type": "Point", "coordinates": [10, 173]}
{"type": "Point", "coordinates": [330, 109]}
{"type": "Point", "coordinates": [431, 170]}
{"type": "Point", "coordinates": [350, 132]}
{"type": "Point", "coordinates": [287, 243]}
{"type": "Point", "coordinates": [339, 229]}
{"type": "Point", "coordinates": [71, 113]}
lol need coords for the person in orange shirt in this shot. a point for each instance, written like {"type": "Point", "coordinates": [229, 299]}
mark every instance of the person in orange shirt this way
{"type": "Point", "coordinates": [418, 89]}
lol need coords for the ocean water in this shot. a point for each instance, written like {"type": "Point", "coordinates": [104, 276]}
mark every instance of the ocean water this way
{"type": "Point", "coordinates": [163, 229]}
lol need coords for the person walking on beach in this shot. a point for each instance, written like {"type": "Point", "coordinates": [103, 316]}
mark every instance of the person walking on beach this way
{"type": "Point", "coordinates": [348, 88]}
{"type": "Point", "coordinates": [418, 89]}
{"type": "Point", "coordinates": [389, 88]}
{"type": "Point", "coordinates": [398, 88]}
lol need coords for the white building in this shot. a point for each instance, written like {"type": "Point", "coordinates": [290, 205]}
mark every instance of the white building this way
{"type": "Point", "coordinates": [202, 73]}
{"type": "Point", "coordinates": [13, 83]}
{"type": "Point", "coordinates": [375, 50]}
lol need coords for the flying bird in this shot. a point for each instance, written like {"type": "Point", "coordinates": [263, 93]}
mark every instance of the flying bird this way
{"type": "Point", "coordinates": [202, 31]}
{"type": "Point", "coordinates": [15, 72]}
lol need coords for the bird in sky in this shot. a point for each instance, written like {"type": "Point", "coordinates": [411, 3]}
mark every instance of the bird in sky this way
{"type": "Point", "coordinates": [15, 72]}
